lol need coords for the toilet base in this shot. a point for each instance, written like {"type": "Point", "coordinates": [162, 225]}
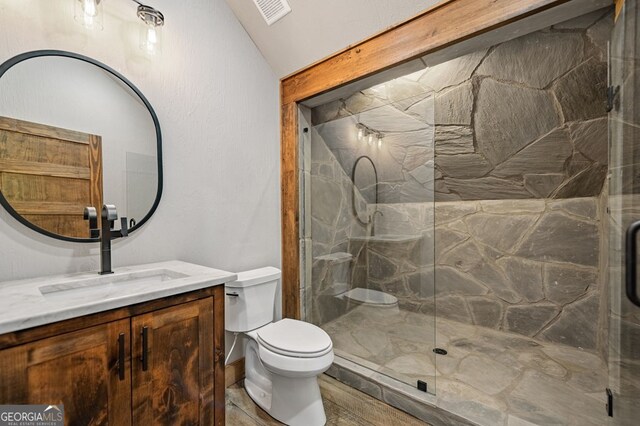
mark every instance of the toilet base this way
{"type": "Point", "coordinates": [291, 400]}
{"type": "Point", "coordinates": [294, 402]}
{"type": "Point", "coordinates": [297, 401]}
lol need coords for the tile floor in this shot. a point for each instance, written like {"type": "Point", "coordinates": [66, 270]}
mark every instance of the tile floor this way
{"type": "Point", "coordinates": [488, 377]}
{"type": "Point", "coordinates": [343, 405]}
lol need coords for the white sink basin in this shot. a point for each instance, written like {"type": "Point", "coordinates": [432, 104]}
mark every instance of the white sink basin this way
{"type": "Point", "coordinates": [148, 277]}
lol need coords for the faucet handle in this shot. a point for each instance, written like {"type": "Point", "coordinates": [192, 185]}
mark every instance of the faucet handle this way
{"type": "Point", "coordinates": [90, 213]}
{"type": "Point", "coordinates": [109, 212]}
{"type": "Point", "coordinates": [124, 230]}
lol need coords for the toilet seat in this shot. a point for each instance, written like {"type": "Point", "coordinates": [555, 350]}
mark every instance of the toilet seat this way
{"type": "Point", "coordinates": [294, 338]}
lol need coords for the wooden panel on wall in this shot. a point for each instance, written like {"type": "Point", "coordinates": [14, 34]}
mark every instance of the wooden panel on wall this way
{"type": "Point", "coordinates": [42, 150]}
{"type": "Point", "coordinates": [445, 24]}
{"type": "Point", "coordinates": [60, 224]}
{"type": "Point", "coordinates": [44, 169]}
{"type": "Point", "coordinates": [48, 171]}
{"type": "Point", "coordinates": [30, 128]}
{"type": "Point", "coordinates": [20, 187]}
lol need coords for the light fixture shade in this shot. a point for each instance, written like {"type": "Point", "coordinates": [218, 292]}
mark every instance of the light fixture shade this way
{"type": "Point", "coordinates": [151, 39]}
{"type": "Point", "coordinates": [88, 13]}
{"type": "Point", "coordinates": [151, 30]}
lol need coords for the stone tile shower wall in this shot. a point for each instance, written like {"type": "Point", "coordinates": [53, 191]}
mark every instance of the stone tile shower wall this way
{"type": "Point", "coordinates": [522, 119]}
{"type": "Point", "coordinates": [520, 159]}
{"type": "Point", "coordinates": [523, 266]}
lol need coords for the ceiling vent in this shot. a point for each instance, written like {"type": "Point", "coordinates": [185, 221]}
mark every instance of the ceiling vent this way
{"type": "Point", "coordinates": [272, 10]}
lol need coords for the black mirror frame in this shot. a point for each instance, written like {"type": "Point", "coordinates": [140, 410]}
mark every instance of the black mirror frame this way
{"type": "Point", "coordinates": [4, 67]}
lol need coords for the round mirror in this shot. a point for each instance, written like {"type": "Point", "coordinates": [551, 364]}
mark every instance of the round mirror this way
{"type": "Point", "coordinates": [75, 133]}
{"type": "Point", "coordinates": [365, 188]}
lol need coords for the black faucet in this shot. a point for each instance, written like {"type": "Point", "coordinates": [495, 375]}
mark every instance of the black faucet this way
{"type": "Point", "coordinates": [106, 232]}
{"type": "Point", "coordinates": [373, 221]}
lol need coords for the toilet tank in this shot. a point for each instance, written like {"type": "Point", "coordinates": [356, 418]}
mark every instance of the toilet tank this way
{"type": "Point", "coordinates": [250, 300]}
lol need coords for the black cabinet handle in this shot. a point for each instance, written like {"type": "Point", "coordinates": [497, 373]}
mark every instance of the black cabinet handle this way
{"type": "Point", "coordinates": [144, 358]}
{"type": "Point", "coordinates": [121, 356]}
{"type": "Point", "coordinates": [630, 260]}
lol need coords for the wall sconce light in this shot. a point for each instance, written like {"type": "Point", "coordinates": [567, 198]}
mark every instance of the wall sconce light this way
{"type": "Point", "coordinates": [88, 13]}
{"type": "Point", "coordinates": [370, 136]}
{"type": "Point", "coordinates": [361, 131]}
{"type": "Point", "coordinates": [150, 34]}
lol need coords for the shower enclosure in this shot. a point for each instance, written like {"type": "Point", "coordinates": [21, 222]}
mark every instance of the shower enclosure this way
{"type": "Point", "coordinates": [463, 230]}
{"type": "Point", "coordinates": [368, 225]}
{"type": "Point", "coordinates": [624, 207]}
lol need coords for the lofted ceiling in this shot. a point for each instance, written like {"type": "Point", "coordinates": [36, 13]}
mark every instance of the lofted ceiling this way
{"type": "Point", "coordinates": [316, 29]}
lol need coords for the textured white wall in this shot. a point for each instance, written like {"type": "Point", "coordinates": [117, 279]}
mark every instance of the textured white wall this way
{"type": "Point", "coordinates": [217, 101]}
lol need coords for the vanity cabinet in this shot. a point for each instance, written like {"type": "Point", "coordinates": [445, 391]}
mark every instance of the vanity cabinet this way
{"type": "Point", "coordinates": [77, 369]}
{"type": "Point", "coordinates": [173, 375]}
{"type": "Point", "coordinates": [159, 362]}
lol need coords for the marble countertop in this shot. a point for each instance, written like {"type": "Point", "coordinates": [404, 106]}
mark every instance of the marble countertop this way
{"type": "Point", "coordinates": [39, 301]}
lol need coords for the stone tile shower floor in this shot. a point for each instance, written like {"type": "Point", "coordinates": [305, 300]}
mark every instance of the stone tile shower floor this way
{"type": "Point", "coordinates": [489, 377]}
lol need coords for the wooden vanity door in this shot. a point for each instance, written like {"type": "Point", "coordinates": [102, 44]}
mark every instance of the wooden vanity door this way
{"type": "Point", "coordinates": [78, 369]}
{"type": "Point", "coordinates": [173, 375]}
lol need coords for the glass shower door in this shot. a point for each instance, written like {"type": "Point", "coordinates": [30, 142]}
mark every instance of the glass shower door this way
{"type": "Point", "coordinates": [368, 211]}
{"type": "Point", "coordinates": [624, 208]}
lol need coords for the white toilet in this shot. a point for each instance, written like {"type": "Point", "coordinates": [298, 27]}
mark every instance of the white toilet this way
{"type": "Point", "coordinates": [282, 358]}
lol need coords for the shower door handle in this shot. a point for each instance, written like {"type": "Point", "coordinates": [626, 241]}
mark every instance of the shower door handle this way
{"type": "Point", "coordinates": [631, 248]}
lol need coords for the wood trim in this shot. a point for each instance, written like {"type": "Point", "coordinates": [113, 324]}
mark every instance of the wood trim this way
{"type": "Point", "coordinates": [619, 6]}
{"type": "Point", "coordinates": [20, 126]}
{"type": "Point", "coordinates": [218, 357]}
{"type": "Point", "coordinates": [441, 26]}
{"type": "Point", "coordinates": [95, 166]}
{"type": "Point", "coordinates": [290, 212]}
{"type": "Point", "coordinates": [43, 169]}
{"type": "Point", "coordinates": [16, 338]}
{"type": "Point", "coordinates": [234, 372]}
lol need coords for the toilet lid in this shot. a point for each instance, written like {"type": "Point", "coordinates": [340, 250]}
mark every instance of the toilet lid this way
{"type": "Point", "coordinates": [295, 338]}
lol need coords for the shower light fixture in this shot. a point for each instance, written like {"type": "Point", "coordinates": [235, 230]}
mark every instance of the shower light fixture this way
{"type": "Point", "coordinates": [88, 13]}
{"type": "Point", "coordinates": [379, 140]}
{"type": "Point", "coordinates": [360, 132]}
{"type": "Point", "coordinates": [370, 139]}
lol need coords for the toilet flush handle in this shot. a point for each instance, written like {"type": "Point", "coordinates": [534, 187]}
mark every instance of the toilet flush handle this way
{"type": "Point", "coordinates": [233, 294]}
